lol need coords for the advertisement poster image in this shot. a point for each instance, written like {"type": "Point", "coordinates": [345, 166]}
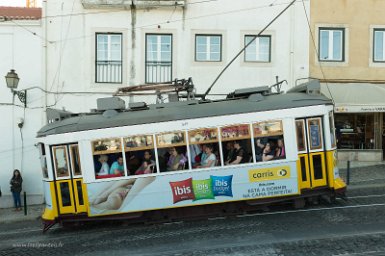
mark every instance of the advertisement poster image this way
{"type": "Point", "coordinates": [192, 188]}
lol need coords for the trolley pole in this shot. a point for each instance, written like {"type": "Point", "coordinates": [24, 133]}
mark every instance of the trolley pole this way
{"type": "Point", "coordinates": [25, 203]}
{"type": "Point", "coordinates": [348, 173]}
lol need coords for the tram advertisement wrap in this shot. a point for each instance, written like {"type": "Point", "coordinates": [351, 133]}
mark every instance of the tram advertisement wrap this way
{"type": "Point", "coordinates": [192, 188]}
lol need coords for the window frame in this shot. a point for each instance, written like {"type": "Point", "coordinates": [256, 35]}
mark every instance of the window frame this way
{"type": "Point", "coordinates": [158, 52]}
{"type": "Point", "coordinates": [343, 46]}
{"type": "Point", "coordinates": [108, 59]}
{"type": "Point", "coordinates": [374, 45]}
{"type": "Point", "coordinates": [269, 51]}
{"type": "Point", "coordinates": [207, 46]}
{"type": "Point", "coordinates": [67, 175]}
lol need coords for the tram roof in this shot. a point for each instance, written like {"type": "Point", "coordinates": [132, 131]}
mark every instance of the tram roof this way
{"type": "Point", "coordinates": [181, 110]}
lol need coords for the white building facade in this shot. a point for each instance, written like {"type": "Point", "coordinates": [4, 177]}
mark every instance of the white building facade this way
{"type": "Point", "coordinates": [21, 49]}
{"type": "Point", "coordinates": [93, 47]}
{"type": "Point", "coordinates": [98, 46]}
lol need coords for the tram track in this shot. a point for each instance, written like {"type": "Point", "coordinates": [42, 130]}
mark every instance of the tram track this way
{"type": "Point", "coordinates": [255, 235]}
{"type": "Point", "coordinates": [352, 202]}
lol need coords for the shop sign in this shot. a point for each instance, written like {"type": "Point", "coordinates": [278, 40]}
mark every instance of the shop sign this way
{"type": "Point", "coordinates": [358, 109]}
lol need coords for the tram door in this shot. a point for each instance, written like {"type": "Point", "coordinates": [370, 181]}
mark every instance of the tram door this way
{"type": "Point", "coordinates": [70, 190]}
{"type": "Point", "coordinates": [311, 163]}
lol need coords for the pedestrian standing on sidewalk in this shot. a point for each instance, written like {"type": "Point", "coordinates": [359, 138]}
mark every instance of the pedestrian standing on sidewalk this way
{"type": "Point", "coordinates": [16, 183]}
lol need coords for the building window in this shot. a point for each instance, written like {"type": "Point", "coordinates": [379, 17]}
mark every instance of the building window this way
{"type": "Point", "coordinates": [208, 48]}
{"type": "Point", "coordinates": [108, 58]}
{"type": "Point", "coordinates": [331, 44]}
{"type": "Point", "coordinates": [259, 50]}
{"type": "Point", "coordinates": [379, 45]}
{"type": "Point", "coordinates": [158, 58]}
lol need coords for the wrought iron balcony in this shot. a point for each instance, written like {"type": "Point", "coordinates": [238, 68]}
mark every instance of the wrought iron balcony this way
{"type": "Point", "coordinates": [139, 4]}
{"type": "Point", "coordinates": [158, 71]}
{"type": "Point", "coordinates": [108, 72]}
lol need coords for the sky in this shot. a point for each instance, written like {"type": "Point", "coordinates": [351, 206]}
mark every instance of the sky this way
{"type": "Point", "coordinates": [21, 3]}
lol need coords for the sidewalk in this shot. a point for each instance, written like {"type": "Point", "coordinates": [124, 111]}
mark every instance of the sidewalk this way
{"type": "Point", "coordinates": [8, 215]}
{"type": "Point", "coordinates": [362, 175]}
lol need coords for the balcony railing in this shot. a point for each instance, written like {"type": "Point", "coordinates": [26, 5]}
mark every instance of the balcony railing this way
{"type": "Point", "coordinates": [139, 4]}
{"type": "Point", "coordinates": [108, 71]}
{"type": "Point", "coordinates": [158, 71]}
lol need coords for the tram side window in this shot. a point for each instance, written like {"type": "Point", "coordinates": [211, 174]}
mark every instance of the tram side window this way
{"type": "Point", "coordinates": [315, 132]}
{"type": "Point", "coordinates": [300, 131]}
{"type": "Point", "coordinates": [332, 129]}
{"type": "Point", "coordinates": [43, 160]}
{"type": "Point", "coordinates": [140, 155]}
{"type": "Point", "coordinates": [236, 144]}
{"type": "Point", "coordinates": [172, 151]}
{"type": "Point", "coordinates": [269, 142]}
{"type": "Point", "coordinates": [204, 148]}
{"type": "Point", "coordinates": [60, 161]}
{"type": "Point", "coordinates": [108, 158]}
{"type": "Point", "coordinates": [75, 160]}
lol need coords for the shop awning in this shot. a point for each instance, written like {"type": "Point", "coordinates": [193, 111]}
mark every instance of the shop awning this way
{"type": "Point", "coordinates": [356, 97]}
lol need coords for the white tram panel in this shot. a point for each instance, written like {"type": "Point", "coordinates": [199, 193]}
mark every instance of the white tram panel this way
{"type": "Point", "coordinates": [185, 124]}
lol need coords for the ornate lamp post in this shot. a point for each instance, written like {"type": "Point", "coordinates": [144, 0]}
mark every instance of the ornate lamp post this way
{"type": "Point", "coordinates": [12, 80]}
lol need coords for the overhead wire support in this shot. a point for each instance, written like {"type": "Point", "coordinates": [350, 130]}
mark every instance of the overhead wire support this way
{"type": "Point", "coordinates": [244, 48]}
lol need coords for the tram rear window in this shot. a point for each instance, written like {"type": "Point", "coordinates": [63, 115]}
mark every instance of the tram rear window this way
{"type": "Point", "coordinates": [269, 141]}
{"type": "Point", "coordinates": [43, 160]}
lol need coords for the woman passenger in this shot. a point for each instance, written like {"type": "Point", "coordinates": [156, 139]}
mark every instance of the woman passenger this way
{"type": "Point", "coordinates": [268, 153]}
{"type": "Point", "coordinates": [175, 160]}
{"type": "Point", "coordinates": [210, 159]}
{"type": "Point", "coordinates": [147, 164]}
{"type": "Point", "coordinates": [280, 150]}
{"type": "Point", "coordinates": [239, 155]}
{"type": "Point", "coordinates": [105, 168]}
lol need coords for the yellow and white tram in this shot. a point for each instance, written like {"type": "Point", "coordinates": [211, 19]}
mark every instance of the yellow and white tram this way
{"type": "Point", "coordinates": [188, 158]}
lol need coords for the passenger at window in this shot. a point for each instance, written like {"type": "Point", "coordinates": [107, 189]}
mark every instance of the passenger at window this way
{"type": "Point", "coordinates": [260, 145]}
{"type": "Point", "coordinates": [239, 156]}
{"type": "Point", "coordinates": [201, 156]}
{"type": "Point", "coordinates": [268, 152]}
{"type": "Point", "coordinates": [229, 152]}
{"type": "Point", "coordinates": [175, 161]}
{"type": "Point", "coordinates": [280, 150]}
{"type": "Point", "coordinates": [195, 151]}
{"type": "Point", "coordinates": [117, 167]}
{"type": "Point", "coordinates": [209, 159]}
{"type": "Point", "coordinates": [105, 167]}
{"type": "Point", "coordinates": [147, 165]}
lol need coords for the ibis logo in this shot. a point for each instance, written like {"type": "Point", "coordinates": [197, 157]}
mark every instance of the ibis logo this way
{"type": "Point", "coordinates": [190, 189]}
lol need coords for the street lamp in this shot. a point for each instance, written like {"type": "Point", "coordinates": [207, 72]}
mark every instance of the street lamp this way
{"type": "Point", "coordinates": [12, 80]}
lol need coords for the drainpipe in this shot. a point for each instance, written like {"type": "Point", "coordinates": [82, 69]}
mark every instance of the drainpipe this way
{"type": "Point", "coordinates": [133, 48]}
{"type": "Point", "coordinates": [292, 57]}
{"type": "Point", "coordinates": [45, 4]}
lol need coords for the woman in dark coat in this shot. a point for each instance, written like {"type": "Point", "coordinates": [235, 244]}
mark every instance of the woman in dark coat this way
{"type": "Point", "coordinates": [16, 183]}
